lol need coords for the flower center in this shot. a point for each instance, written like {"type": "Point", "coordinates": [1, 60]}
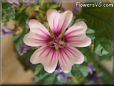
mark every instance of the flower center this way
{"type": "Point", "coordinates": [57, 41]}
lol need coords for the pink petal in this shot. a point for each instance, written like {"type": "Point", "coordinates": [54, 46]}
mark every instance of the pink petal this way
{"type": "Point", "coordinates": [77, 29]}
{"type": "Point", "coordinates": [68, 57]}
{"type": "Point", "coordinates": [38, 34]}
{"type": "Point", "coordinates": [47, 57]}
{"type": "Point", "coordinates": [82, 41]}
{"type": "Point", "coordinates": [59, 21]}
{"type": "Point", "coordinates": [37, 27]}
{"type": "Point", "coordinates": [76, 35]}
{"type": "Point", "coordinates": [33, 39]}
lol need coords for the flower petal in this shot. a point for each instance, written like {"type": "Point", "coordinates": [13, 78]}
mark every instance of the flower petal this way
{"type": "Point", "coordinates": [70, 56]}
{"type": "Point", "coordinates": [82, 41]}
{"type": "Point", "coordinates": [59, 21]}
{"type": "Point", "coordinates": [47, 57]}
{"type": "Point", "coordinates": [34, 39]}
{"type": "Point", "coordinates": [76, 35]}
{"type": "Point", "coordinates": [37, 27]}
{"type": "Point", "coordinates": [76, 56]}
{"type": "Point", "coordinates": [38, 34]}
{"type": "Point", "coordinates": [77, 29]}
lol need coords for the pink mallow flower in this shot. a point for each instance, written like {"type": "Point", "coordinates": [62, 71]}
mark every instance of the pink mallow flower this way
{"type": "Point", "coordinates": [57, 46]}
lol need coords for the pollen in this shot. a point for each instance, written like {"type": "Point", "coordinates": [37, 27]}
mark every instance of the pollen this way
{"type": "Point", "coordinates": [57, 41]}
{"type": "Point", "coordinates": [56, 47]}
{"type": "Point", "coordinates": [62, 42]}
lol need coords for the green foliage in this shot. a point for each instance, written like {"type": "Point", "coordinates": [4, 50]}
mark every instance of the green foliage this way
{"type": "Point", "coordinates": [103, 48]}
{"type": "Point", "coordinates": [79, 72]}
{"type": "Point", "coordinates": [8, 12]}
{"type": "Point", "coordinates": [42, 9]}
{"type": "Point", "coordinates": [105, 75]}
{"type": "Point", "coordinates": [21, 19]}
{"type": "Point", "coordinates": [99, 19]}
{"type": "Point", "coordinates": [42, 77]}
{"type": "Point", "coordinates": [91, 33]}
{"type": "Point", "coordinates": [88, 53]}
{"type": "Point", "coordinates": [107, 78]}
{"type": "Point", "coordinates": [25, 60]}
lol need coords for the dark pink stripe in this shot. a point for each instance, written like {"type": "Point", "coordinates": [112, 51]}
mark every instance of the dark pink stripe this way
{"type": "Point", "coordinates": [63, 56]}
{"type": "Point", "coordinates": [73, 31]}
{"type": "Point", "coordinates": [45, 48]}
{"type": "Point", "coordinates": [71, 51]}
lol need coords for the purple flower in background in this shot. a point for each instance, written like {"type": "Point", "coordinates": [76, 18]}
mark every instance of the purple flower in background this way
{"type": "Point", "coordinates": [23, 49]}
{"type": "Point", "coordinates": [14, 3]}
{"type": "Point", "coordinates": [6, 31]}
{"type": "Point", "coordinates": [30, 2]}
{"type": "Point", "coordinates": [93, 76]}
{"type": "Point", "coordinates": [61, 76]}
{"type": "Point", "coordinates": [91, 68]}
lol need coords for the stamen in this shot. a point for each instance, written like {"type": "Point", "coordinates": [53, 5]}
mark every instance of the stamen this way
{"type": "Point", "coordinates": [53, 36]}
{"type": "Point", "coordinates": [56, 47]}
{"type": "Point", "coordinates": [62, 42]}
{"type": "Point", "coordinates": [51, 44]}
{"type": "Point", "coordinates": [57, 42]}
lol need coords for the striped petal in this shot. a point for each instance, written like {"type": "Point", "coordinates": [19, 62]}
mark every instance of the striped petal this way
{"type": "Point", "coordinates": [68, 57]}
{"type": "Point", "coordinates": [36, 27]}
{"type": "Point", "coordinates": [35, 39]}
{"type": "Point", "coordinates": [76, 35]}
{"type": "Point", "coordinates": [38, 34]}
{"type": "Point", "coordinates": [47, 57]}
{"type": "Point", "coordinates": [59, 21]}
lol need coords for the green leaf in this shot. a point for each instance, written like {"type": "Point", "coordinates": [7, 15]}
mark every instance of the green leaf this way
{"type": "Point", "coordinates": [42, 77]}
{"type": "Point", "coordinates": [103, 49]}
{"type": "Point", "coordinates": [88, 53]}
{"type": "Point", "coordinates": [100, 50]}
{"type": "Point", "coordinates": [49, 80]}
{"type": "Point", "coordinates": [91, 33]}
{"type": "Point", "coordinates": [79, 72]}
{"type": "Point", "coordinates": [84, 71]}
{"type": "Point", "coordinates": [25, 60]}
{"type": "Point", "coordinates": [40, 73]}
